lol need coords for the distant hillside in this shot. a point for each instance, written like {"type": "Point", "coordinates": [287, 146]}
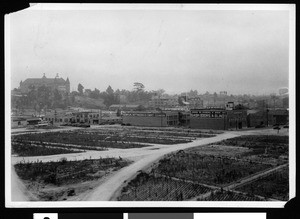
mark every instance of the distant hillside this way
{"type": "Point", "coordinates": [86, 102]}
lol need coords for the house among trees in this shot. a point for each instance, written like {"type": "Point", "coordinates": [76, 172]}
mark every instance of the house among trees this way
{"type": "Point", "coordinates": [56, 83]}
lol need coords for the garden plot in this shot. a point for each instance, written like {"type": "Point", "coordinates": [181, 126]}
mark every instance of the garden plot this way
{"type": "Point", "coordinates": [268, 148]}
{"type": "Point", "coordinates": [134, 135]}
{"type": "Point", "coordinates": [211, 170]}
{"type": "Point", "coordinates": [137, 136]}
{"type": "Point", "coordinates": [274, 186]}
{"type": "Point", "coordinates": [24, 149]}
{"type": "Point", "coordinates": [51, 181]}
{"type": "Point", "coordinates": [89, 141]}
{"type": "Point", "coordinates": [174, 132]}
{"type": "Point", "coordinates": [147, 187]}
{"type": "Point", "coordinates": [117, 137]}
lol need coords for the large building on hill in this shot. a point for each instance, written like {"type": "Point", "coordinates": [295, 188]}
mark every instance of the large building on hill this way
{"type": "Point", "coordinates": [53, 83]}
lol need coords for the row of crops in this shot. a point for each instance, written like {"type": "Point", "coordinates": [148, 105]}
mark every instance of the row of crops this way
{"type": "Point", "coordinates": [275, 185]}
{"type": "Point", "coordinates": [49, 143]}
{"type": "Point", "coordinates": [156, 131]}
{"type": "Point", "coordinates": [42, 145]}
{"type": "Point", "coordinates": [269, 145]}
{"type": "Point", "coordinates": [145, 136]}
{"type": "Point", "coordinates": [188, 169]}
{"type": "Point", "coordinates": [229, 196]}
{"type": "Point", "coordinates": [147, 187]}
{"type": "Point", "coordinates": [207, 169]}
{"type": "Point", "coordinates": [115, 140]}
{"type": "Point", "coordinates": [165, 129]}
{"type": "Point", "coordinates": [257, 138]}
{"type": "Point", "coordinates": [25, 149]}
{"type": "Point", "coordinates": [71, 139]}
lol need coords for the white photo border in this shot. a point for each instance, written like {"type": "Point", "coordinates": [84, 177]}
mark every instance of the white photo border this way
{"type": "Point", "coordinates": [122, 204]}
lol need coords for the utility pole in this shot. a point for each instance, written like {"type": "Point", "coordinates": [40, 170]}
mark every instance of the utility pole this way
{"type": "Point", "coordinates": [267, 116]}
{"type": "Point", "coordinates": [161, 115]}
{"type": "Point", "coordinates": [55, 114]}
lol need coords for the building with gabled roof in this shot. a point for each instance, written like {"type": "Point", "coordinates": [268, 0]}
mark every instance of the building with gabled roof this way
{"type": "Point", "coordinates": [53, 83]}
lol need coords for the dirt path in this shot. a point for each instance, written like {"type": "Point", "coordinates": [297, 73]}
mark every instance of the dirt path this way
{"type": "Point", "coordinates": [19, 192]}
{"type": "Point", "coordinates": [106, 191]}
{"type": "Point", "coordinates": [254, 177]}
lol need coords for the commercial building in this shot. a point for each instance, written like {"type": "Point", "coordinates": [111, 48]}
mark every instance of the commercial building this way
{"type": "Point", "coordinates": [195, 102]}
{"type": "Point", "coordinates": [18, 121]}
{"type": "Point", "coordinates": [124, 107]}
{"type": "Point", "coordinates": [81, 116]}
{"type": "Point", "coordinates": [33, 121]}
{"type": "Point", "coordinates": [267, 117]}
{"type": "Point", "coordinates": [162, 103]}
{"type": "Point", "coordinates": [184, 118]}
{"type": "Point", "coordinates": [59, 117]}
{"type": "Point", "coordinates": [218, 119]}
{"type": "Point", "coordinates": [280, 116]}
{"type": "Point", "coordinates": [259, 118]}
{"type": "Point", "coordinates": [154, 119]}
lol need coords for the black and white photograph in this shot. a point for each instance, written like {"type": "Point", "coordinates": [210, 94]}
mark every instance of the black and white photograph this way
{"type": "Point", "coordinates": [150, 105]}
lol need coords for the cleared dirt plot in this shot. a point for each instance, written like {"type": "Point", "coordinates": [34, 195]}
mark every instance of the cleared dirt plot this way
{"type": "Point", "coordinates": [205, 169]}
{"type": "Point", "coordinates": [229, 196]}
{"type": "Point", "coordinates": [147, 187]}
{"type": "Point", "coordinates": [274, 186]}
{"type": "Point", "coordinates": [53, 181]}
{"type": "Point", "coordinates": [24, 149]}
{"type": "Point", "coordinates": [265, 148]}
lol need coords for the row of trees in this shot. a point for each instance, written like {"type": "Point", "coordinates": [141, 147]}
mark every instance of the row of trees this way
{"type": "Point", "coordinates": [111, 96]}
{"type": "Point", "coordinates": [43, 97]}
{"type": "Point", "coordinates": [40, 98]}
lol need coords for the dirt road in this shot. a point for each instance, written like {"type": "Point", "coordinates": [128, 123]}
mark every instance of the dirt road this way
{"type": "Point", "coordinates": [105, 191]}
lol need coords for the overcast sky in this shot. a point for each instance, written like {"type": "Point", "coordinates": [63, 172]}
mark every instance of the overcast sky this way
{"type": "Point", "coordinates": [242, 52]}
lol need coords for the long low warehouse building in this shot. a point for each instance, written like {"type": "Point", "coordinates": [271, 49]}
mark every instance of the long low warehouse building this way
{"type": "Point", "coordinates": [154, 119]}
{"type": "Point", "coordinates": [218, 119]}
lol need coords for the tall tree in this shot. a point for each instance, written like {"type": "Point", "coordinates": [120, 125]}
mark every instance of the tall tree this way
{"type": "Point", "coordinates": [109, 90]}
{"type": "Point", "coordinates": [44, 96]}
{"type": "Point", "coordinates": [110, 97]}
{"type": "Point", "coordinates": [80, 89]}
{"type": "Point", "coordinates": [160, 92]}
{"type": "Point", "coordinates": [137, 86]}
{"type": "Point", "coordinates": [95, 94]}
{"type": "Point", "coordinates": [215, 97]}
